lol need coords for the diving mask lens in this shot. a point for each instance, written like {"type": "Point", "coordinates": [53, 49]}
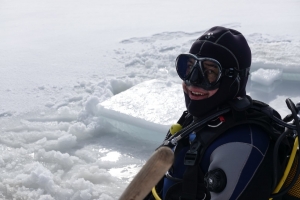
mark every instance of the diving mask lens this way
{"type": "Point", "coordinates": [184, 65]}
{"type": "Point", "coordinates": [210, 69]}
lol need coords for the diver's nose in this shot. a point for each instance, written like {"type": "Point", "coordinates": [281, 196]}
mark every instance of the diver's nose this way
{"type": "Point", "coordinates": [196, 77]}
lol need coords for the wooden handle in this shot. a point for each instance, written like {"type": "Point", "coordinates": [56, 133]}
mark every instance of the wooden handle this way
{"type": "Point", "coordinates": [149, 175]}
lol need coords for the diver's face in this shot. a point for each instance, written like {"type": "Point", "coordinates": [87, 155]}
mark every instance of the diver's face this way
{"type": "Point", "coordinates": [209, 68]}
{"type": "Point", "coordinates": [211, 72]}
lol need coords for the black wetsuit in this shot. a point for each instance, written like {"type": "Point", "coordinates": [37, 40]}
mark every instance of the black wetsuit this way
{"type": "Point", "coordinates": [243, 153]}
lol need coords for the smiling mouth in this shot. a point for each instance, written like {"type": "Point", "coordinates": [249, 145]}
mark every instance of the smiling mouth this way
{"type": "Point", "coordinates": [197, 93]}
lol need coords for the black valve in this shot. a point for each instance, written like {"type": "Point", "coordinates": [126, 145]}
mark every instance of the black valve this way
{"type": "Point", "coordinates": [215, 180]}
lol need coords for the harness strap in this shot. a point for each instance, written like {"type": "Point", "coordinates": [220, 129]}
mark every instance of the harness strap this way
{"type": "Point", "coordinates": [191, 187]}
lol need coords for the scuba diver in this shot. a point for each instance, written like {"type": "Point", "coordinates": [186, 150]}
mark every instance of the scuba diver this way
{"type": "Point", "coordinates": [226, 145]}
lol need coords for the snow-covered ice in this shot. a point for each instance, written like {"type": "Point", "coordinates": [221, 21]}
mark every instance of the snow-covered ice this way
{"type": "Point", "coordinates": [266, 76]}
{"type": "Point", "coordinates": [266, 80]}
{"type": "Point", "coordinates": [88, 89]}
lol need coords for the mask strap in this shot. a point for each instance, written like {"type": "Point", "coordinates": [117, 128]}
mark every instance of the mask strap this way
{"type": "Point", "coordinates": [231, 72]}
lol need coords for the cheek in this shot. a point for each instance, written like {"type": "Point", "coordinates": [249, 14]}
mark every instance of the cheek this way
{"type": "Point", "coordinates": [184, 87]}
{"type": "Point", "coordinates": [212, 92]}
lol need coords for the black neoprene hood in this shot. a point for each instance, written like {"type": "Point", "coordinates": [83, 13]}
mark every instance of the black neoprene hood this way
{"type": "Point", "coordinates": [231, 49]}
{"type": "Point", "coordinates": [228, 46]}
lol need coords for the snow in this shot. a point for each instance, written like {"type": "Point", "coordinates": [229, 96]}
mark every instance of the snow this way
{"type": "Point", "coordinates": [89, 89]}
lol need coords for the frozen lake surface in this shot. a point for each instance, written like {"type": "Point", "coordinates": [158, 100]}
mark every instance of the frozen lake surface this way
{"type": "Point", "coordinates": [89, 89]}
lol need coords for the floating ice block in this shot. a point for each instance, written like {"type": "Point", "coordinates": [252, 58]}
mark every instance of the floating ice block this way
{"type": "Point", "coordinates": [146, 110]}
{"type": "Point", "coordinates": [266, 76]}
{"type": "Point", "coordinates": [265, 80]}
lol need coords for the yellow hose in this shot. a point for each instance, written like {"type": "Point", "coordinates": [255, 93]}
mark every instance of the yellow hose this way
{"type": "Point", "coordinates": [155, 194]}
{"type": "Point", "coordinates": [288, 167]}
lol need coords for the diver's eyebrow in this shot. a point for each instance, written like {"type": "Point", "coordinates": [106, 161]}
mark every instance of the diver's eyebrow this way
{"type": "Point", "coordinates": [210, 65]}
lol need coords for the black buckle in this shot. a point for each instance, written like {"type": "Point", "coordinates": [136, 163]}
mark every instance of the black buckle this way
{"type": "Point", "coordinates": [230, 72]}
{"type": "Point", "coordinates": [192, 154]}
